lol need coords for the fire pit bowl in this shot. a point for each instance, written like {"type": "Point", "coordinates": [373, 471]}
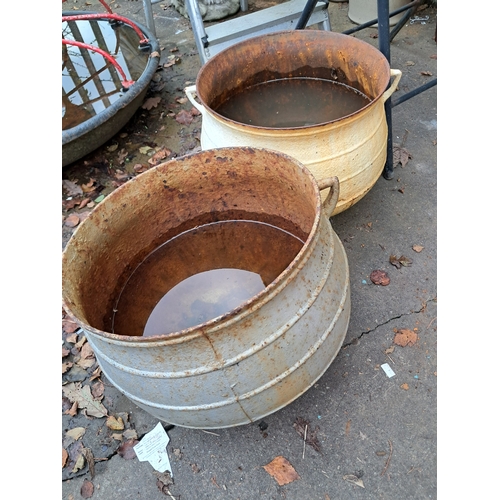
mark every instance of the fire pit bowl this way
{"type": "Point", "coordinates": [108, 63]}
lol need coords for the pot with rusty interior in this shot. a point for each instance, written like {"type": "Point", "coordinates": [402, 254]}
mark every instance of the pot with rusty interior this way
{"type": "Point", "coordinates": [251, 361]}
{"type": "Point", "coordinates": [352, 148]}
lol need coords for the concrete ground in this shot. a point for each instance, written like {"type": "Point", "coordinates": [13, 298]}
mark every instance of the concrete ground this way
{"type": "Point", "coordinates": [377, 435]}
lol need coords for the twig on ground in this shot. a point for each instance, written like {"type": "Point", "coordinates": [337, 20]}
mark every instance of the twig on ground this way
{"type": "Point", "coordinates": [430, 323]}
{"type": "Point", "coordinates": [305, 436]}
{"type": "Point", "coordinates": [388, 459]}
{"type": "Point", "coordinates": [213, 433]}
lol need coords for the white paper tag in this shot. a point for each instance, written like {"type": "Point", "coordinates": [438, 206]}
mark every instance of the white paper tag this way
{"type": "Point", "coordinates": [388, 370]}
{"type": "Point", "coordinates": [153, 448]}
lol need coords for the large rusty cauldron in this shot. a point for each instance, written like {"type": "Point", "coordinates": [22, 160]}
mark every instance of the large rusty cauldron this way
{"type": "Point", "coordinates": [236, 368]}
{"type": "Point", "coordinates": [352, 148]}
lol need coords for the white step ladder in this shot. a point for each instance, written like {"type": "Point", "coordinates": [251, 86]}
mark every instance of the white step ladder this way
{"type": "Point", "coordinates": [212, 39]}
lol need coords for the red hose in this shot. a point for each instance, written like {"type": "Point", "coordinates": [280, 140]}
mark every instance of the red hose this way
{"type": "Point", "coordinates": [106, 6]}
{"type": "Point", "coordinates": [86, 17]}
{"type": "Point", "coordinates": [126, 83]}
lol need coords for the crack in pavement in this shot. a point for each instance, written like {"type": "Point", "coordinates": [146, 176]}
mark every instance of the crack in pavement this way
{"type": "Point", "coordinates": [356, 340]}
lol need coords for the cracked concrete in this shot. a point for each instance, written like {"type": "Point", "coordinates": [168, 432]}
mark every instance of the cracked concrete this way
{"type": "Point", "coordinates": [381, 430]}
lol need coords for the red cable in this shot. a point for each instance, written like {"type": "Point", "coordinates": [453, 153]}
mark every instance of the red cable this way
{"type": "Point", "coordinates": [86, 17]}
{"type": "Point", "coordinates": [126, 83]}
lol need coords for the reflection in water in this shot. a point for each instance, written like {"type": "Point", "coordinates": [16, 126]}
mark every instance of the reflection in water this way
{"type": "Point", "coordinates": [91, 83]}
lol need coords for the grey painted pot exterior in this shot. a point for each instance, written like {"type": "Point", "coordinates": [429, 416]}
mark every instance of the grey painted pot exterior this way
{"type": "Point", "coordinates": [254, 360]}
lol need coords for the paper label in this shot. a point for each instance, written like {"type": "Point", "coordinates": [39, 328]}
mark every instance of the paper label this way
{"type": "Point", "coordinates": [153, 448]}
{"type": "Point", "coordinates": [388, 370]}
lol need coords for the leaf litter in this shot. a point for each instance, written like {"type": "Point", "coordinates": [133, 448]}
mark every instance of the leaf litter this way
{"type": "Point", "coordinates": [303, 428]}
{"type": "Point", "coordinates": [352, 478]}
{"type": "Point", "coordinates": [83, 398]}
{"type": "Point", "coordinates": [400, 261]}
{"type": "Point", "coordinates": [405, 337]}
{"type": "Point", "coordinates": [379, 277]}
{"type": "Point", "coordinates": [281, 470]}
{"type": "Point", "coordinates": [400, 155]}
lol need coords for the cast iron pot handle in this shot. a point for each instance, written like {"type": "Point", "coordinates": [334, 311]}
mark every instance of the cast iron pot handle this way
{"type": "Point", "coordinates": [189, 91]}
{"type": "Point", "coordinates": [397, 73]}
{"type": "Point", "coordinates": [333, 196]}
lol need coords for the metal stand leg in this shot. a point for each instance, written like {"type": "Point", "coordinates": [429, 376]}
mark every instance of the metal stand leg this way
{"type": "Point", "coordinates": [148, 12]}
{"type": "Point", "coordinates": [385, 48]}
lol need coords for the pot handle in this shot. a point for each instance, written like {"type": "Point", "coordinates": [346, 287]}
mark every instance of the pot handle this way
{"type": "Point", "coordinates": [189, 91]}
{"type": "Point", "coordinates": [397, 73]}
{"type": "Point", "coordinates": [333, 196]}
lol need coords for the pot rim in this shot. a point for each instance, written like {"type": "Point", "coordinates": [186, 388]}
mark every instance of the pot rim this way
{"type": "Point", "coordinates": [303, 33]}
{"type": "Point", "coordinates": [236, 314]}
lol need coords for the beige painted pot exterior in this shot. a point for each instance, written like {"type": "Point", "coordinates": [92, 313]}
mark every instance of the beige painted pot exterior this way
{"type": "Point", "coordinates": [353, 148]}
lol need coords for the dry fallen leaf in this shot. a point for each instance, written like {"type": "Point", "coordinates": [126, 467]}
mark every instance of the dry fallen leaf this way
{"type": "Point", "coordinates": [87, 452]}
{"type": "Point", "coordinates": [126, 449]}
{"type": "Point", "coordinates": [64, 457]}
{"type": "Point", "coordinates": [79, 464]}
{"type": "Point", "coordinates": [66, 366]}
{"type": "Point", "coordinates": [380, 278]}
{"type": "Point", "coordinates": [351, 478]}
{"type": "Point", "coordinates": [151, 102]}
{"type": "Point", "coordinates": [96, 374]}
{"type": "Point", "coordinates": [172, 59]}
{"type": "Point", "coordinates": [418, 248]}
{"type": "Point", "coordinates": [405, 337]}
{"type": "Point", "coordinates": [426, 73]}
{"type": "Point", "coordinates": [72, 220]}
{"type": "Point", "coordinates": [73, 410]}
{"type": "Point", "coordinates": [405, 261]}
{"type": "Point", "coordinates": [282, 470]}
{"type": "Point", "coordinates": [300, 426]}
{"type": "Point", "coordinates": [86, 351]}
{"type": "Point", "coordinates": [87, 489]}
{"type": "Point", "coordinates": [71, 188]}
{"type": "Point", "coordinates": [89, 187]}
{"type": "Point", "coordinates": [139, 168]}
{"type": "Point", "coordinates": [160, 155]}
{"type": "Point", "coordinates": [115, 424]}
{"type": "Point", "coordinates": [400, 261]}
{"type": "Point", "coordinates": [130, 434]}
{"type": "Point", "coordinates": [84, 203]}
{"type": "Point", "coordinates": [395, 261]}
{"type": "Point", "coordinates": [83, 397]}
{"type": "Point", "coordinates": [122, 155]}
{"type": "Point", "coordinates": [163, 481]}
{"type": "Point", "coordinates": [80, 343]}
{"type": "Point", "coordinates": [97, 390]}
{"type": "Point", "coordinates": [184, 117]}
{"type": "Point", "coordinates": [404, 386]}
{"type": "Point", "coordinates": [76, 433]}
{"type": "Point", "coordinates": [400, 155]}
{"type": "Point", "coordinates": [69, 326]}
